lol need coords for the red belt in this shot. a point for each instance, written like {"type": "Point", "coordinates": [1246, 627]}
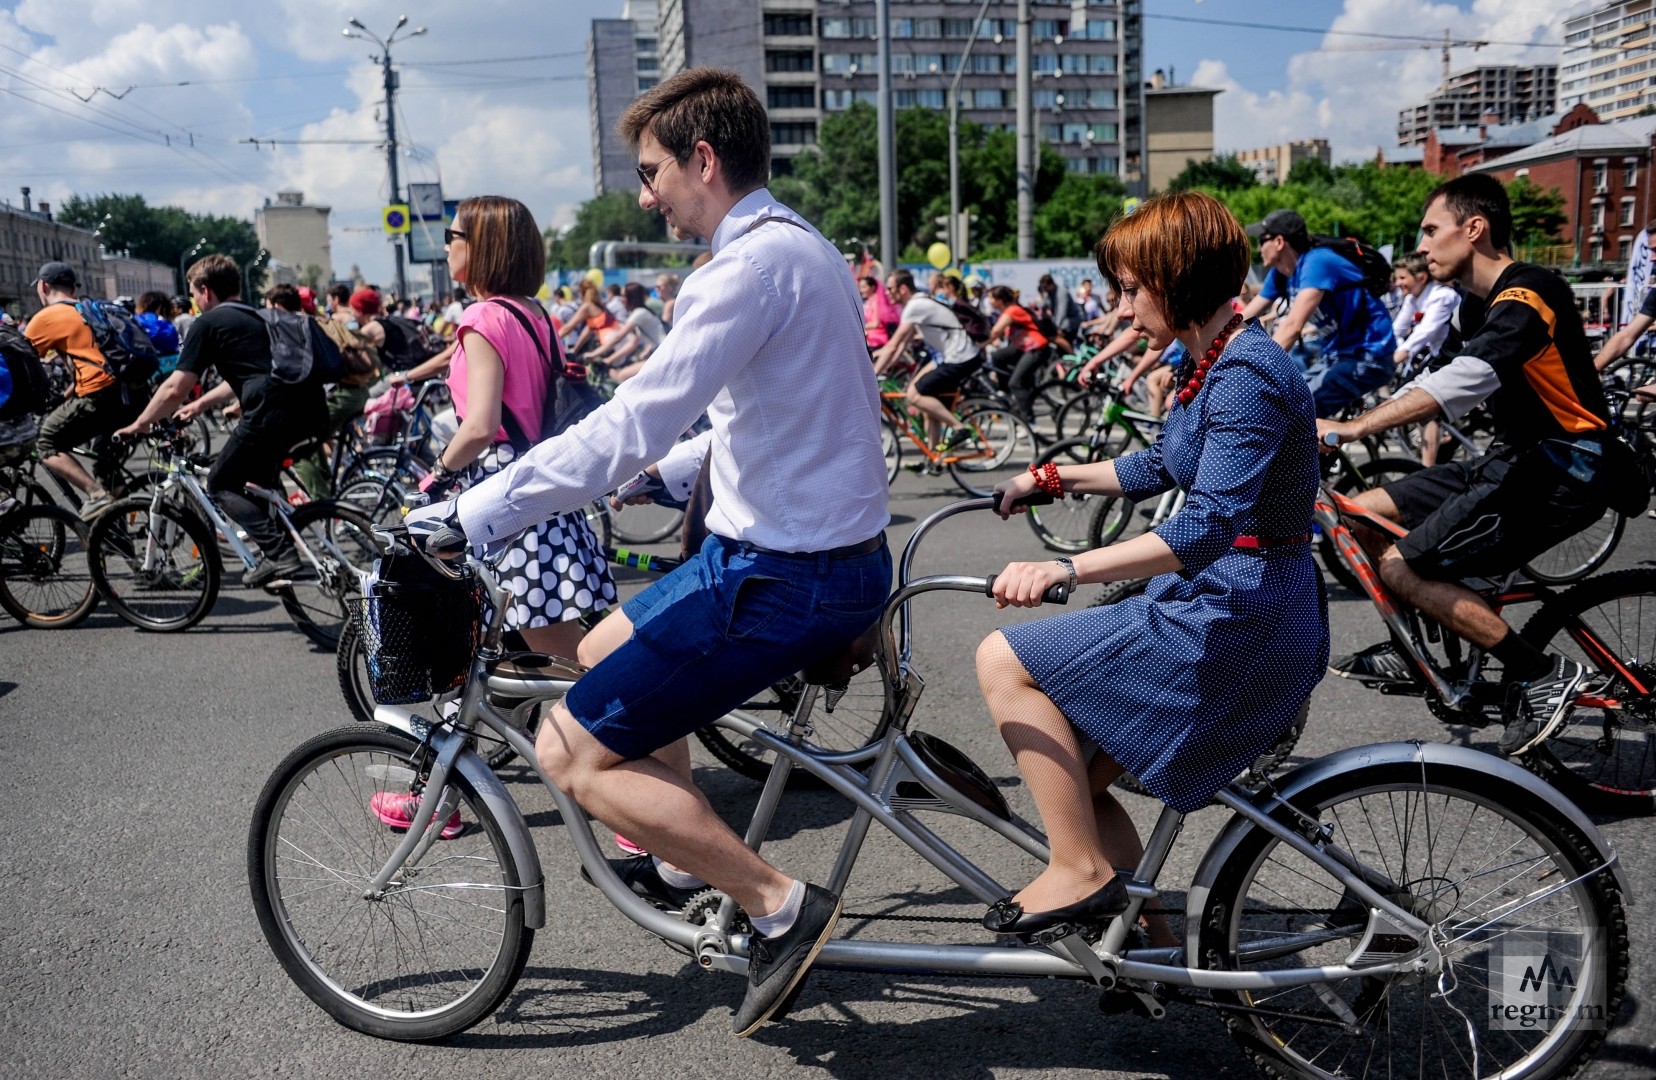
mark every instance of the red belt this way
{"type": "Point", "coordinates": [1255, 542]}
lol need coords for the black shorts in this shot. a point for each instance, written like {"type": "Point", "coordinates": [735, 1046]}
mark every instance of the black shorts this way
{"type": "Point", "coordinates": [1488, 517]}
{"type": "Point", "coordinates": [946, 378]}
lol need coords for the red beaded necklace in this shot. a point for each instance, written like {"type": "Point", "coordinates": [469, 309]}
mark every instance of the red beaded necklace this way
{"type": "Point", "coordinates": [1188, 394]}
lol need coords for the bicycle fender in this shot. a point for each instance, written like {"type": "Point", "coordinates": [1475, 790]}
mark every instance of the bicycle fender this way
{"type": "Point", "coordinates": [1394, 753]}
{"type": "Point", "coordinates": [452, 748]}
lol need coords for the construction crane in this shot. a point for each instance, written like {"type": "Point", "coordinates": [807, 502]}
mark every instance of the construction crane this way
{"type": "Point", "coordinates": [1449, 42]}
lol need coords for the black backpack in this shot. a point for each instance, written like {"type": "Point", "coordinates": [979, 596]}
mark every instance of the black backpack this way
{"type": "Point", "coordinates": [299, 348]}
{"type": "Point", "coordinates": [569, 399]}
{"type": "Point", "coordinates": [31, 389]}
{"type": "Point", "coordinates": [408, 343]}
{"type": "Point", "coordinates": [1377, 272]}
{"type": "Point", "coordinates": [970, 318]}
{"type": "Point", "coordinates": [128, 353]}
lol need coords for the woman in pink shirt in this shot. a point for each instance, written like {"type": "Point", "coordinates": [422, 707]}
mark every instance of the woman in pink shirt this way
{"type": "Point", "coordinates": [499, 378]}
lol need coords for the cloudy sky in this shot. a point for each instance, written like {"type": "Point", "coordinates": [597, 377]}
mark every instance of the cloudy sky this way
{"type": "Point", "coordinates": [493, 97]}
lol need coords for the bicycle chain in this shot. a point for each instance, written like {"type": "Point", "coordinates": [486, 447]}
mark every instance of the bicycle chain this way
{"type": "Point", "coordinates": [949, 919]}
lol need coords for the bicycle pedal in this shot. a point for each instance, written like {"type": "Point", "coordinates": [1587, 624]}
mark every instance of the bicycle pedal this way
{"type": "Point", "coordinates": [1052, 935]}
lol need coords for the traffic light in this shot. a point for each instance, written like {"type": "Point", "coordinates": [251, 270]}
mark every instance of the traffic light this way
{"type": "Point", "coordinates": [942, 222]}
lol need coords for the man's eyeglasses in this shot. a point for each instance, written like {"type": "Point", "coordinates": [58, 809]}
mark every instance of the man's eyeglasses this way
{"type": "Point", "coordinates": [451, 235]}
{"type": "Point", "coordinates": [647, 173]}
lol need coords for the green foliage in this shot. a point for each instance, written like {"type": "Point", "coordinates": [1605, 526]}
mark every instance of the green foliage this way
{"type": "Point", "coordinates": [1311, 171]}
{"type": "Point", "coordinates": [159, 233]}
{"type": "Point", "coordinates": [614, 215]}
{"type": "Point", "coordinates": [1378, 205]}
{"type": "Point", "coordinates": [1220, 174]}
{"type": "Point", "coordinates": [1537, 215]}
{"type": "Point", "coordinates": [1068, 223]}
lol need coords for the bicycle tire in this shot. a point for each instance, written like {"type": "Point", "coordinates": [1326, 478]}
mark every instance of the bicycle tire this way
{"type": "Point", "coordinates": [1263, 766]}
{"type": "Point", "coordinates": [647, 523]}
{"type": "Point", "coordinates": [175, 594]}
{"type": "Point", "coordinates": [1001, 446]}
{"type": "Point", "coordinates": [45, 580]}
{"type": "Point", "coordinates": [858, 718]}
{"type": "Point", "coordinates": [1600, 758]}
{"type": "Point", "coordinates": [341, 538]}
{"type": "Point", "coordinates": [1065, 525]}
{"type": "Point", "coordinates": [381, 966]}
{"type": "Point", "coordinates": [380, 499]}
{"type": "Point", "coordinates": [891, 445]}
{"type": "Point", "coordinates": [381, 461]}
{"type": "Point", "coordinates": [1574, 557]}
{"type": "Point", "coordinates": [351, 669]}
{"type": "Point", "coordinates": [1369, 474]}
{"type": "Point", "coordinates": [1075, 418]}
{"type": "Point", "coordinates": [1480, 853]}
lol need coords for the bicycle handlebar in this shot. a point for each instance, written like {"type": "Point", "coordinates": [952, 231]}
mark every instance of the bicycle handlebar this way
{"type": "Point", "coordinates": [1057, 594]}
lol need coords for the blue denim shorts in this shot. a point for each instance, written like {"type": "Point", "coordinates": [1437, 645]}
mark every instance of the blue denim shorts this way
{"type": "Point", "coordinates": [716, 631]}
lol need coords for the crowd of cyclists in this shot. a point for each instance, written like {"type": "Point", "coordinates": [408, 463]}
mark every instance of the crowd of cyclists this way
{"type": "Point", "coordinates": [1455, 325]}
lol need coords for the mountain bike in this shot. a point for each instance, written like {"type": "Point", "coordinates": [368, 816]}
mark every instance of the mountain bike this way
{"type": "Point", "coordinates": [1604, 758]}
{"type": "Point", "coordinates": [155, 557]}
{"type": "Point", "coordinates": [44, 580]}
{"type": "Point", "coordinates": [1354, 916]}
{"type": "Point", "coordinates": [987, 443]}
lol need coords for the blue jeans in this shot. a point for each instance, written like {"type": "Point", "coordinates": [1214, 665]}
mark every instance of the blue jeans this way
{"type": "Point", "coordinates": [1339, 379]}
{"type": "Point", "coordinates": [718, 630]}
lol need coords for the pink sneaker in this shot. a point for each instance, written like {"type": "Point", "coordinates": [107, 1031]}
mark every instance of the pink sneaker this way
{"type": "Point", "coordinates": [397, 809]}
{"type": "Point", "coordinates": [628, 846]}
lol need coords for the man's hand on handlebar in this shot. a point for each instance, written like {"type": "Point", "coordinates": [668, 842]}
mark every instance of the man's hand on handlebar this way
{"type": "Point", "coordinates": [646, 487]}
{"type": "Point", "coordinates": [435, 528]}
{"type": "Point", "coordinates": [1025, 584]}
{"type": "Point", "coordinates": [1331, 434]}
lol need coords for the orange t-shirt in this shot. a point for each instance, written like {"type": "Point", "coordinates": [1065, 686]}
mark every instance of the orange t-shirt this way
{"type": "Point", "coordinates": [59, 328]}
{"type": "Point", "coordinates": [1023, 332]}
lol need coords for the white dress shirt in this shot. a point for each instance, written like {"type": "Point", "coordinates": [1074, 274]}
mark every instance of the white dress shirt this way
{"type": "Point", "coordinates": [1422, 322]}
{"type": "Point", "coordinates": [768, 340]}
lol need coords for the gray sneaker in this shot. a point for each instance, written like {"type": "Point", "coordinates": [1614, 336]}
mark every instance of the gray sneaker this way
{"type": "Point", "coordinates": [95, 505]}
{"type": "Point", "coordinates": [1537, 709]}
{"type": "Point", "coordinates": [776, 966]}
{"type": "Point", "coordinates": [269, 570]}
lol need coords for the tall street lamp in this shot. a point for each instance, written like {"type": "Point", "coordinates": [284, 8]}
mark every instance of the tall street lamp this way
{"type": "Point", "coordinates": [357, 30]}
{"type": "Point", "coordinates": [184, 262]}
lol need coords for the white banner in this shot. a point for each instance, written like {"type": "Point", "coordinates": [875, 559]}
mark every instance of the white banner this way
{"type": "Point", "coordinates": [1023, 275]}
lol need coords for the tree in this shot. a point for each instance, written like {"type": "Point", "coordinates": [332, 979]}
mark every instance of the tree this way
{"type": "Point", "coordinates": [1069, 222]}
{"type": "Point", "coordinates": [1219, 174]}
{"type": "Point", "coordinates": [1537, 213]}
{"type": "Point", "coordinates": [614, 215]}
{"type": "Point", "coordinates": [1311, 172]}
{"type": "Point", "coordinates": [159, 233]}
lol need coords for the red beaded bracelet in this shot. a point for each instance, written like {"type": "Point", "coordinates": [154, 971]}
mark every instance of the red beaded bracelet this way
{"type": "Point", "coordinates": [1046, 478]}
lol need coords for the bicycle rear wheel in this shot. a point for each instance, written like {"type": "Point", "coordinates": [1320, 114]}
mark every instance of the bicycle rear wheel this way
{"type": "Point", "coordinates": [646, 523]}
{"type": "Point", "coordinates": [999, 446]}
{"type": "Point", "coordinates": [341, 541]}
{"type": "Point", "coordinates": [1577, 556]}
{"type": "Point", "coordinates": [1493, 872]}
{"type": "Point", "coordinates": [1604, 757]}
{"type": "Point", "coordinates": [444, 945]}
{"type": "Point", "coordinates": [1370, 474]}
{"type": "Point", "coordinates": [158, 571]}
{"type": "Point", "coordinates": [45, 581]}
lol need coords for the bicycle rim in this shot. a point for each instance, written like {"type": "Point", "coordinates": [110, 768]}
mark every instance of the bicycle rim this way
{"type": "Point", "coordinates": [1576, 556]}
{"type": "Point", "coordinates": [648, 523]}
{"type": "Point", "coordinates": [999, 447]}
{"type": "Point", "coordinates": [158, 572]}
{"type": "Point", "coordinates": [45, 579]}
{"type": "Point", "coordinates": [857, 719]}
{"type": "Point", "coordinates": [443, 945]}
{"type": "Point", "coordinates": [1467, 858]}
{"type": "Point", "coordinates": [341, 541]}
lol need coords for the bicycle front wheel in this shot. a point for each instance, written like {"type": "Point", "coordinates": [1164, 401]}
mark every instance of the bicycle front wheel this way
{"type": "Point", "coordinates": [1502, 881]}
{"type": "Point", "coordinates": [1604, 757]}
{"type": "Point", "coordinates": [351, 668]}
{"type": "Point", "coordinates": [160, 571]}
{"type": "Point", "coordinates": [45, 581]}
{"type": "Point", "coordinates": [1574, 557]}
{"type": "Point", "coordinates": [998, 446]}
{"type": "Point", "coordinates": [444, 944]}
{"type": "Point", "coordinates": [342, 546]}
{"type": "Point", "coordinates": [646, 523]}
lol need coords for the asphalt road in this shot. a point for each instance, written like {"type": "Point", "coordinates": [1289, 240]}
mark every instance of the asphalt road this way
{"type": "Point", "coordinates": [128, 944]}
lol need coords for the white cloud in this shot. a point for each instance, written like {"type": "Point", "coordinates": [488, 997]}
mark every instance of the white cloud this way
{"type": "Point", "coordinates": [1350, 93]}
{"type": "Point", "coordinates": [490, 131]}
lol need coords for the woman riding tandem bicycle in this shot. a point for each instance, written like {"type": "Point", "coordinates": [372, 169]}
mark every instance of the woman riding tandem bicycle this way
{"type": "Point", "coordinates": [1170, 685]}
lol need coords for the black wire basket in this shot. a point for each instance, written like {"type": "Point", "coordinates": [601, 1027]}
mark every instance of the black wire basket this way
{"type": "Point", "coordinates": [419, 630]}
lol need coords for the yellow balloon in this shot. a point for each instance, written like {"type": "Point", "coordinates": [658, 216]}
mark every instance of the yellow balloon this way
{"type": "Point", "coordinates": [544, 293]}
{"type": "Point", "coordinates": [595, 275]}
{"type": "Point", "coordinates": [939, 255]}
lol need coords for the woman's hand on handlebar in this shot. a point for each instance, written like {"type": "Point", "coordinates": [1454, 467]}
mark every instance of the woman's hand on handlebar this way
{"type": "Point", "coordinates": [435, 529]}
{"type": "Point", "coordinates": [1024, 584]}
{"type": "Point", "coordinates": [1011, 495]}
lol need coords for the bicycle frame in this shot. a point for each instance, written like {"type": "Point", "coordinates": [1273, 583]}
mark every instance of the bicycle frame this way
{"type": "Point", "coordinates": [912, 426]}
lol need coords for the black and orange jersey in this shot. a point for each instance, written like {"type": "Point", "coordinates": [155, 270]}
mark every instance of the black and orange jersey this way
{"type": "Point", "coordinates": [1530, 333]}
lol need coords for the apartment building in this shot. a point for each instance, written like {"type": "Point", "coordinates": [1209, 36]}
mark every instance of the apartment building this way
{"type": "Point", "coordinates": [1609, 59]}
{"type": "Point", "coordinates": [1488, 94]}
{"type": "Point", "coordinates": [808, 59]}
{"type": "Point", "coordinates": [296, 234]}
{"type": "Point", "coordinates": [1272, 164]}
{"type": "Point", "coordinates": [623, 61]}
{"type": "Point", "coordinates": [28, 238]}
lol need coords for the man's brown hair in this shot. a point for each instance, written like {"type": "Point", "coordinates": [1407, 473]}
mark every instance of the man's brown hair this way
{"type": "Point", "coordinates": [284, 296]}
{"type": "Point", "coordinates": [1186, 249]}
{"type": "Point", "coordinates": [219, 273]}
{"type": "Point", "coordinates": [709, 105]}
{"type": "Point", "coordinates": [505, 255]}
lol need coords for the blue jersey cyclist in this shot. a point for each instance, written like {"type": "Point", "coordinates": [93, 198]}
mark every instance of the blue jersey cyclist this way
{"type": "Point", "coordinates": [1186, 683]}
{"type": "Point", "coordinates": [768, 341]}
{"type": "Point", "coordinates": [1326, 289]}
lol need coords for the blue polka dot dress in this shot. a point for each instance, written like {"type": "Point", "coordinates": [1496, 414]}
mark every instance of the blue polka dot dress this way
{"type": "Point", "coordinates": [1187, 683]}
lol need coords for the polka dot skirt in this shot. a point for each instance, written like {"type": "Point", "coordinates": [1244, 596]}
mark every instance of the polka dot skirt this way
{"type": "Point", "coordinates": [554, 572]}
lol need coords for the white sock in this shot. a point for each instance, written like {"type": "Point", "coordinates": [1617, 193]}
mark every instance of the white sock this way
{"type": "Point", "coordinates": [678, 879]}
{"type": "Point", "coordinates": [782, 919]}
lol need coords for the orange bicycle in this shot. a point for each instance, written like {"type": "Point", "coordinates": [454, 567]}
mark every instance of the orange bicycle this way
{"type": "Point", "coordinates": [987, 442]}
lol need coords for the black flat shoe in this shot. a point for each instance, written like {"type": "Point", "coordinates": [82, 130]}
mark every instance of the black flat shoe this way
{"type": "Point", "coordinates": [1007, 916]}
{"type": "Point", "coordinates": [639, 874]}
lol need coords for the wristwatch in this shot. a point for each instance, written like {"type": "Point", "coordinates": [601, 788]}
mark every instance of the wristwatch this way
{"type": "Point", "coordinates": [1069, 568]}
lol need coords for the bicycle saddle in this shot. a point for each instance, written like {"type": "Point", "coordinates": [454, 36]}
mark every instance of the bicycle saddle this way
{"type": "Point", "coordinates": [837, 669]}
